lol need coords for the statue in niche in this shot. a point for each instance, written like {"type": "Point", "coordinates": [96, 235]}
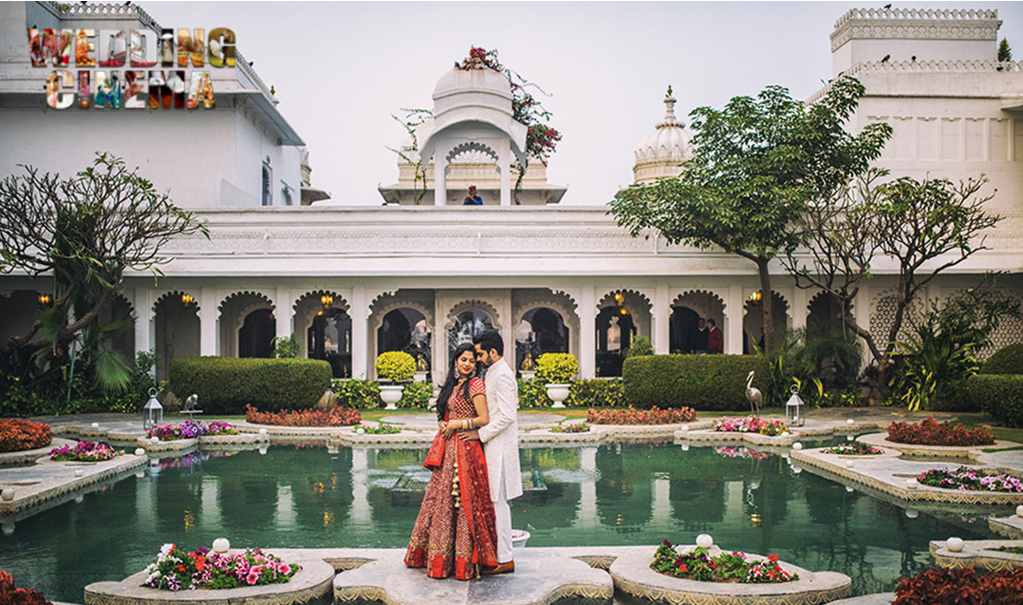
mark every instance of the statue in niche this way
{"type": "Point", "coordinates": [614, 335]}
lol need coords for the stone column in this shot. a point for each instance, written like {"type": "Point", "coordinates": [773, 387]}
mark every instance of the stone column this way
{"type": "Point", "coordinates": [505, 170]}
{"type": "Point", "coordinates": [733, 336]}
{"type": "Point", "coordinates": [285, 313]}
{"type": "Point", "coordinates": [587, 311]}
{"type": "Point", "coordinates": [144, 322]}
{"type": "Point", "coordinates": [209, 328]}
{"type": "Point", "coordinates": [360, 327]}
{"type": "Point", "coordinates": [660, 331]}
{"type": "Point", "coordinates": [861, 310]}
{"type": "Point", "coordinates": [439, 340]}
{"type": "Point", "coordinates": [798, 308]}
{"type": "Point", "coordinates": [440, 177]}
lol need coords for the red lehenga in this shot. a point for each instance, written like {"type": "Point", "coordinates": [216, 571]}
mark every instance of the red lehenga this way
{"type": "Point", "coordinates": [450, 536]}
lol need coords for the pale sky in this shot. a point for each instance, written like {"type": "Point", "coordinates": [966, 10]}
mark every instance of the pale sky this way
{"type": "Point", "coordinates": [340, 69]}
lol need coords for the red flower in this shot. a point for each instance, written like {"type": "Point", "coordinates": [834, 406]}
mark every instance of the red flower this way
{"type": "Point", "coordinates": [772, 558]}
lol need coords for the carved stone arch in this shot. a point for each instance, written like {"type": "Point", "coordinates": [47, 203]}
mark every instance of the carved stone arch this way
{"type": "Point", "coordinates": [479, 146]}
{"type": "Point", "coordinates": [339, 301]}
{"type": "Point", "coordinates": [238, 295]}
{"type": "Point", "coordinates": [680, 299]}
{"type": "Point", "coordinates": [466, 305]}
{"type": "Point", "coordinates": [382, 310]}
{"type": "Point", "coordinates": [168, 295]}
{"type": "Point", "coordinates": [609, 298]}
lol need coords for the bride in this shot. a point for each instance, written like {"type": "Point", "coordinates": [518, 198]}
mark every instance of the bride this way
{"type": "Point", "coordinates": [455, 528]}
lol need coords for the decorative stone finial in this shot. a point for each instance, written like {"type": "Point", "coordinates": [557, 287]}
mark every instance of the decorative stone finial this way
{"type": "Point", "coordinates": [669, 113]}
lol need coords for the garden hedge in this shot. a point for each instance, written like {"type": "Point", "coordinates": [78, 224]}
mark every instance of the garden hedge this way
{"type": "Point", "coordinates": [702, 382]}
{"type": "Point", "coordinates": [1008, 360]}
{"type": "Point", "coordinates": [1000, 395]}
{"type": "Point", "coordinates": [225, 385]}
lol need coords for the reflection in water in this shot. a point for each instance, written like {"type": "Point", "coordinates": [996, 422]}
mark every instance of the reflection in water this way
{"type": "Point", "coordinates": [618, 494]}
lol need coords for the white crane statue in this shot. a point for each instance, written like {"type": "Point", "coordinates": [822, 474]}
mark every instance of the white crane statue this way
{"type": "Point", "coordinates": [756, 398]}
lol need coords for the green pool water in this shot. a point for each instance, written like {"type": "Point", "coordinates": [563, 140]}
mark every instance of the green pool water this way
{"type": "Point", "coordinates": [619, 494]}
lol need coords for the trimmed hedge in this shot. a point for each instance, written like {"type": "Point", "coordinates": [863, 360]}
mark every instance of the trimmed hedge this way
{"type": "Point", "coordinates": [1000, 395]}
{"type": "Point", "coordinates": [225, 385]}
{"type": "Point", "coordinates": [702, 382]}
{"type": "Point", "coordinates": [596, 393]}
{"type": "Point", "coordinates": [1008, 360]}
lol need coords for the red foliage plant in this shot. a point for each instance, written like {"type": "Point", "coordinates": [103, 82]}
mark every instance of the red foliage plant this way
{"type": "Point", "coordinates": [941, 586]}
{"type": "Point", "coordinates": [930, 432]}
{"type": "Point", "coordinates": [633, 416]}
{"type": "Point", "coordinates": [337, 416]}
{"type": "Point", "coordinates": [12, 595]}
{"type": "Point", "coordinates": [18, 435]}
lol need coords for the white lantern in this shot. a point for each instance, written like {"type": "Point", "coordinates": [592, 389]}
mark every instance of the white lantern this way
{"type": "Point", "coordinates": [152, 413]}
{"type": "Point", "coordinates": [704, 541]}
{"type": "Point", "coordinates": [795, 408]}
{"type": "Point", "coordinates": [954, 544]}
{"type": "Point", "coordinates": [797, 446]}
{"type": "Point", "coordinates": [221, 545]}
{"type": "Point", "coordinates": [912, 483]}
{"type": "Point", "coordinates": [140, 452]}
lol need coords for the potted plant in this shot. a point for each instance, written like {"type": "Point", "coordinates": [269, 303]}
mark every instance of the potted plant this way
{"type": "Point", "coordinates": [421, 368]}
{"type": "Point", "coordinates": [394, 366]}
{"type": "Point", "coordinates": [557, 370]}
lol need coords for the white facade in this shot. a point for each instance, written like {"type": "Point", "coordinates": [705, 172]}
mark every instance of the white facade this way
{"type": "Point", "coordinates": [350, 281]}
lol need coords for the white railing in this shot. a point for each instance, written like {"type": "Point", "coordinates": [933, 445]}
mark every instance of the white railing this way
{"type": "Point", "coordinates": [923, 67]}
{"type": "Point", "coordinates": [908, 14]}
{"type": "Point", "coordinates": [106, 9]}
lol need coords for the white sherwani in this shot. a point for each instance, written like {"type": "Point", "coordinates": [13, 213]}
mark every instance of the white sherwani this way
{"type": "Point", "coordinates": [500, 437]}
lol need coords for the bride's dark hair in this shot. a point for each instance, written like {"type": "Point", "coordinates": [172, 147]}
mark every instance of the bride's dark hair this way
{"type": "Point", "coordinates": [448, 389]}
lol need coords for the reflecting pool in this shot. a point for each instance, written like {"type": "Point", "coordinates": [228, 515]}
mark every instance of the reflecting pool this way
{"type": "Point", "coordinates": [617, 494]}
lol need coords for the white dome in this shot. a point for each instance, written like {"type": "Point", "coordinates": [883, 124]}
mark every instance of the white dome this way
{"type": "Point", "coordinates": [459, 88]}
{"type": "Point", "coordinates": [664, 150]}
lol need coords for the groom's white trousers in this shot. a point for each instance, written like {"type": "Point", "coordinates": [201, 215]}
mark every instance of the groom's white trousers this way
{"type": "Point", "coordinates": [502, 521]}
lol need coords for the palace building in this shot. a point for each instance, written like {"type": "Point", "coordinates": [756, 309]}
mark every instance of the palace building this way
{"type": "Point", "coordinates": [421, 272]}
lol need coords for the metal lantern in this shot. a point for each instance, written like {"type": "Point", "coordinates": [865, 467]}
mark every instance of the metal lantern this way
{"type": "Point", "coordinates": [152, 413]}
{"type": "Point", "coordinates": [795, 409]}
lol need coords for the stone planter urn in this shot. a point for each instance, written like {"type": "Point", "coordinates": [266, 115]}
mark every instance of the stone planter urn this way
{"type": "Point", "coordinates": [419, 376]}
{"type": "Point", "coordinates": [558, 394]}
{"type": "Point", "coordinates": [527, 374]}
{"type": "Point", "coordinates": [391, 394]}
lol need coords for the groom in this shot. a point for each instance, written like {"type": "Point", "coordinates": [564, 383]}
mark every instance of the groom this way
{"type": "Point", "coordinates": [500, 437]}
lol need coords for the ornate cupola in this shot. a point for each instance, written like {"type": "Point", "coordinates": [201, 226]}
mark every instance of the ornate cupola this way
{"type": "Point", "coordinates": [662, 153]}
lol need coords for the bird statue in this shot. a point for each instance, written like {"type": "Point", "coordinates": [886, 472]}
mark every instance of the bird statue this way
{"type": "Point", "coordinates": [193, 400]}
{"type": "Point", "coordinates": [756, 398]}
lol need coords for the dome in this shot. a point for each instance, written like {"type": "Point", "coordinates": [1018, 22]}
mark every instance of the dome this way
{"type": "Point", "coordinates": [662, 153]}
{"type": "Point", "coordinates": [459, 88]}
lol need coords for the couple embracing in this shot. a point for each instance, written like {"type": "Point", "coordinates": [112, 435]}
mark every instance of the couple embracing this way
{"type": "Point", "coordinates": [464, 524]}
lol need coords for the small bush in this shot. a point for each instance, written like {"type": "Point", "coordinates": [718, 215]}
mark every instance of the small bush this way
{"type": "Point", "coordinates": [355, 393]}
{"type": "Point", "coordinates": [533, 394]}
{"type": "Point", "coordinates": [19, 435]}
{"type": "Point", "coordinates": [961, 586]}
{"type": "Point", "coordinates": [12, 595]}
{"type": "Point", "coordinates": [1008, 360]}
{"type": "Point", "coordinates": [641, 345]}
{"type": "Point", "coordinates": [556, 368]}
{"type": "Point", "coordinates": [395, 366]}
{"type": "Point", "coordinates": [634, 416]}
{"type": "Point", "coordinates": [930, 432]}
{"type": "Point", "coordinates": [416, 395]}
{"type": "Point", "coordinates": [337, 416]}
{"type": "Point", "coordinates": [226, 385]}
{"type": "Point", "coordinates": [702, 382]}
{"type": "Point", "coordinates": [1000, 395]}
{"type": "Point", "coordinates": [596, 393]}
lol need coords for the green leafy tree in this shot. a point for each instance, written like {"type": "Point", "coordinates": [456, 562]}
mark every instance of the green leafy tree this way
{"type": "Point", "coordinates": [85, 232]}
{"type": "Point", "coordinates": [757, 164]}
{"type": "Point", "coordinates": [1004, 51]}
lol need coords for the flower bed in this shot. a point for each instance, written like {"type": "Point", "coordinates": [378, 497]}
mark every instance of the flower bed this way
{"type": "Point", "coordinates": [382, 429]}
{"type": "Point", "coordinates": [751, 424]}
{"type": "Point", "coordinates": [698, 565]}
{"type": "Point", "coordinates": [654, 415]}
{"type": "Point", "coordinates": [190, 429]}
{"type": "Point", "coordinates": [18, 435]}
{"type": "Point", "coordinates": [854, 449]}
{"type": "Point", "coordinates": [930, 432]}
{"type": "Point", "coordinates": [1016, 550]}
{"type": "Point", "coordinates": [742, 452]}
{"type": "Point", "coordinates": [579, 427]}
{"type": "Point", "coordinates": [337, 416]}
{"type": "Point", "coordinates": [175, 569]}
{"type": "Point", "coordinates": [961, 586]}
{"type": "Point", "coordinates": [11, 594]}
{"type": "Point", "coordinates": [84, 451]}
{"type": "Point", "coordinates": [967, 479]}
